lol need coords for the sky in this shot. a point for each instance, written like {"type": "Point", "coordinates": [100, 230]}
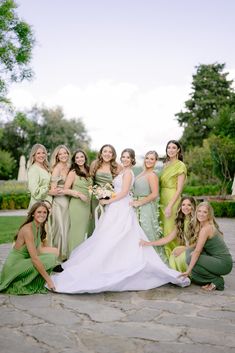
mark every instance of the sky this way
{"type": "Point", "coordinates": [123, 66]}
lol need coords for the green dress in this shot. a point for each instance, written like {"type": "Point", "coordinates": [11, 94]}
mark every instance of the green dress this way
{"type": "Point", "coordinates": [179, 263]}
{"type": "Point", "coordinates": [19, 276]}
{"type": "Point", "coordinates": [79, 213]}
{"type": "Point", "coordinates": [148, 214]}
{"type": "Point", "coordinates": [100, 179]}
{"type": "Point", "coordinates": [214, 261]}
{"type": "Point", "coordinates": [59, 225]}
{"type": "Point", "coordinates": [168, 187]}
{"type": "Point", "coordinates": [38, 184]}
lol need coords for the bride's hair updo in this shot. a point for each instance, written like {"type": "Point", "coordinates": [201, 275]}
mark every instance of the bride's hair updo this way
{"type": "Point", "coordinates": [131, 154]}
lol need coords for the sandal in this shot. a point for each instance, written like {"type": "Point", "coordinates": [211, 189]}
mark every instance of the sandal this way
{"type": "Point", "coordinates": [209, 287]}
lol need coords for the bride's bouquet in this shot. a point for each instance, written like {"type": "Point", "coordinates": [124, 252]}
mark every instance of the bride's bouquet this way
{"type": "Point", "coordinates": [102, 192]}
{"type": "Point", "coordinates": [106, 192]}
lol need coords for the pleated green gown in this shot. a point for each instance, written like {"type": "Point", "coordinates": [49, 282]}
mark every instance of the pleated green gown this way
{"type": "Point", "coordinates": [19, 276]}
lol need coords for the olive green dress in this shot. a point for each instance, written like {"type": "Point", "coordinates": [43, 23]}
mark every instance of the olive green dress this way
{"type": "Point", "coordinates": [168, 187]}
{"type": "Point", "coordinates": [148, 214]}
{"type": "Point", "coordinates": [19, 276]}
{"type": "Point", "coordinates": [79, 213]}
{"type": "Point", "coordinates": [38, 184]}
{"type": "Point", "coordinates": [100, 179]}
{"type": "Point", "coordinates": [59, 228]}
{"type": "Point", "coordinates": [214, 261]}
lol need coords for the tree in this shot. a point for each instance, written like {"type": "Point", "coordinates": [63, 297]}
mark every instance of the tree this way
{"type": "Point", "coordinates": [224, 123]}
{"type": "Point", "coordinates": [16, 43]}
{"type": "Point", "coordinates": [211, 91]}
{"type": "Point", "coordinates": [7, 165]}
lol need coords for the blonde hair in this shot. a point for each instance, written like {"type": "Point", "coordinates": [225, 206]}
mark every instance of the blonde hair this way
{"type": "Point", "coordinates": [151, 152]}
{"type": "Point", "coordinates": [180, 222]}
{"type": "Point", "coordinates": [33, 151]}
{"type": "Point", "coordinates": [211, 218]}
{"type": "Point", "coordinates": [54, 157]}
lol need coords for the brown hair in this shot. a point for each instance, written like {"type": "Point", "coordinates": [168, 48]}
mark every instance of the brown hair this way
{"type": "Point", "coordinates": [76, 167]}
{"type": "Point", "coordinates": [30, 218]}
{"type": "Point", "coordinates": [99, 161]}
{"type": "Point", "coordinates": [180, 153]}
{"type": "Point", "coordinates": [131, 154]}
{"type": "Point", "coordinates": [179, 222]}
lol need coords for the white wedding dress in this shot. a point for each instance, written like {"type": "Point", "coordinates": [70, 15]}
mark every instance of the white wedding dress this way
{"type": "Point", "coordinates": [112, 260]}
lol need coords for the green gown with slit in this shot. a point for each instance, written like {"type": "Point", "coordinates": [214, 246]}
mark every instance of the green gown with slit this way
{"type": "Point", "coordinates": [79, 213]}
{"type": "Point", "coordinates": [214, 262]}
{"type": "Point", "coordinates": [19, 276]}
{"type": "Point", "coordinates": [148, 214]}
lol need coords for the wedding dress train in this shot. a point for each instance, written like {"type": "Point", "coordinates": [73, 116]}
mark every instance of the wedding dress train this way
{"type": "Point", "coordinates": [112, 260]}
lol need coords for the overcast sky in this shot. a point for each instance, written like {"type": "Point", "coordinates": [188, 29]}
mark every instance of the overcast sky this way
{"type": "Point", "coordinates": [124, 66]}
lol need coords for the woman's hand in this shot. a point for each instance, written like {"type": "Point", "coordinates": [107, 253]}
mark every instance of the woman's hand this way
{"type": "Point", "coordinates": [104, 202]}
{"type": "Point", "coordinates": [50, 284]}
{"type": "Point", "coordinates": [185, 274]}
{"type": "Point", "coordinates": [135, 203]}
{"type": "Point", "coordinates": [178, 251]}
{"type": "Point", "coordinates": [144, 243]}
{"type": "Point", "coordinates": [168, 211]}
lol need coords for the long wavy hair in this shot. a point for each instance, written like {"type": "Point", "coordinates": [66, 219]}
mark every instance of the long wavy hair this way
{"type": "Point", "coordinates": [211, 218]}
{"type": "Point", "coordinates": [180, 153]}
{"type": "Point", "coordinates": [190, 234]}
{"type": "Point", "coordinates": [30, 218]}
{"type": "Point", "coordinates": [33, 151]}
{"type": "Point", "coordinates": [99, 161]}
{"type": "Point", "coordinates": [55, 158]}
{"type": "Point", "coordinates": [76, 167]}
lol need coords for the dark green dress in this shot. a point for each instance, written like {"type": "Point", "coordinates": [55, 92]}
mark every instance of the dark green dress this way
{"type": "Point", "coordinates": [214, 262]}
{"type": "Point", "coordinates": [19, 276]}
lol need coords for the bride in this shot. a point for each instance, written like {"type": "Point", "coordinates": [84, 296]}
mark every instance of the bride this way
{"type": "Point", "coordinates": [112, 259]}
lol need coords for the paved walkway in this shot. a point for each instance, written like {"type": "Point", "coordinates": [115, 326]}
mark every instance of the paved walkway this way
{"type": "Point", "coordinates": [166, 319]}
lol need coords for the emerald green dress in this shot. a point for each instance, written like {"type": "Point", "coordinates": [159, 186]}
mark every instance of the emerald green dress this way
{"type": "Point", "coordinates": [19, 276]}
{"type": "Point", "coordinates": [168, 187]}
{"type": "Point", "coordinates": [214, 261]}
{"type": "Point", "coordinates": [100, 179]}
{"type": "Point", "coordinates": [79, 213]}
{"type": "Point", "coordinates": [148, 214]}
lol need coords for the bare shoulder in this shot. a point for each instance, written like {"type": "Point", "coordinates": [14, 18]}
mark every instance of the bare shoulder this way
{"type": "Point", "coordinates": [119, 168]}
{"type": "Point", "coordinates": [26, 231]}
{"type": "Point", "coordinates": [152, 176]}
{"type": "Point", "coordinates": [207, 231]}
{"type": "Point", "coordinates": [93, 164]}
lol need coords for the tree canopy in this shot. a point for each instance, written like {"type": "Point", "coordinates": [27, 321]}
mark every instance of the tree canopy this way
{"type": "Point", "coordinates": [16, 43]}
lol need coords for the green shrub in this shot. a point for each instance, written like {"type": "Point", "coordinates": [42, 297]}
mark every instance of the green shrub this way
{"type": "Point", "coordinates": [14, 201]}
{"type": "Point", "coordinates": [201, 190]}
{"type": "Point", "coordinates": [223, 208]}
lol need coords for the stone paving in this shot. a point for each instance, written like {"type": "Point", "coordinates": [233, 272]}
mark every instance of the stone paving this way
{"type": "Point", "coordinates": [166, 319]}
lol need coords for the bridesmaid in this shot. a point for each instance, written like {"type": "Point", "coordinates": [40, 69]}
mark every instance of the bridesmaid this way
{"type": "Point", "coordinates": [172, 181]}
{"type": "Point", "coordinates": [183, 232]}
{"type": "Point", "coordinates": [146, 194]}
{"type": "Point", "coordinates": [30, 261]}
{"type": "Point", "coordinates": [39, 176]}
{"type": "Point", "coordinates": [211, 258]}
{"type": "Point", "coordinates": [102, 171]}
{"type": "Point", "coordinates": [77, 186]}
{"type": "Point", "coordinates": [60, 163]}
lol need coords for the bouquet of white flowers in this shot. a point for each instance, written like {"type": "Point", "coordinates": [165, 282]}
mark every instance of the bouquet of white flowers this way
{"type": "Point", "coordinates": [102, 192]}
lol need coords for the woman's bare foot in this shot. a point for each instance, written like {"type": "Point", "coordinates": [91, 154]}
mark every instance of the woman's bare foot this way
{"type": "Point", "coordinates": [209, 287]}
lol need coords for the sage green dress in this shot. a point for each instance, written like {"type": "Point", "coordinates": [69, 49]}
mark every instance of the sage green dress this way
{"type": "Point", "coordinates": [100, 179]}
{"type": "Point", "coordinates": [79, 213]}
{"type": "Point", "coordinates": [148, 214]}
{"type": "Point", "coordinates": [214, 262]}
{"type": "Point", "coordinates": [168, 187]}
{"type": "Point", "coordinates": [19, 276]}
{"type": "Point", "coordinates": [59, 227]}
{"type": "Point", "coordinates": [38, 184]}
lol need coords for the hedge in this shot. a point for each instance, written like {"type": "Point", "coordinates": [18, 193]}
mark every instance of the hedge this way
{"type": "Point", "coordinates": [14, 201]}
{"type": "Point", "coordinates": [223, 208]}
{"type": "Point", "coordinates": [202, 190]}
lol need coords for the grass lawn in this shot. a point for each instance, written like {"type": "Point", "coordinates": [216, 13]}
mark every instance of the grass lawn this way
{"type": "Point", "coordinates": [8, 227]}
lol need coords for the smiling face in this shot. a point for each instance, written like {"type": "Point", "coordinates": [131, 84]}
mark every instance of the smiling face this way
{"type": "Point", "coordinates": [172, 150]}
{"type": "Point", "coordinates": [202, 214]}
{"type": "Point", "coordinates": [126, 160]}
{"type": "Point", "coordinates": [63, 155]}
{"type": "Point", "coordinates": [107, 154]}
{"type": "Point", "coordinates": [186, 207]}
{"type": "Point", "coordinates": [40, 214]}
{"type": "Point", "coordinates": [40, 156]}
{"type": "Point", "coordinates": [150, 161]}
{"type": "Point", "coordinates": [80, 159]}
